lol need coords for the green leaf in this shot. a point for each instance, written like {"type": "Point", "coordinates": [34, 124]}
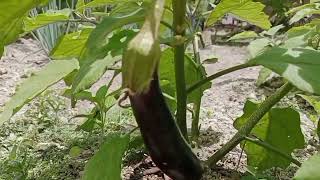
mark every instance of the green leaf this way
{"type": "Point", "coordinates": [280, 127]}
{"type": "Point", "coordinates": [88, 125]}
{"type": "Point", "coordinates": [244, 35]}
{"type": "Point", "coordinates": [246, 10]}
{"type": "Point", "coordinates": [300, 66]}
{"type": "Point", "coordinates": [193, 74]}
{"type": "Point", "coordinates": [274, 30]}
{"type": "Point", "coordinates": [106, 163]}
{"type": "Point", "coordinates": [13, 153]}
{"type": "Point", "coordinates": [10, 32]}
{"type": "Point", "coordinates": [125, 7]}
{"type": "Point", "coordinates": [93, 69]}
{"type": "Point", "coordinates": [75, 151]}
{"type": "Point", "coordinates": [49, 17]}
{"type": "Point", "coordinates": [96, 3]}
{"type": "Point", "coordinates": [314, 101]}
{"type": "Point", "coordinates": [95, 59]}
{"type": "Point", "coordinates": [37, 83]}
{"type": "Point", "coordinates": [11, 19]}
{"type": "Point", "coordinates": [309, 169]}
{"type": "Point", "coordinates": [264, 74]}
{"type": "Point", "coordinates": [118, 42]}
{"type": "Point", "coordinates": [15, 9]}
{"type": "Point", "coordinates": [71, 45]}
{"type": "Point", "coordinates": [91, 73]}
{"type": "Point", "coordinates": [98, 38]}
{"type": "Point", "coordinates": [257, 46]}
{"type": "Point", "coordinates": [303, 11]}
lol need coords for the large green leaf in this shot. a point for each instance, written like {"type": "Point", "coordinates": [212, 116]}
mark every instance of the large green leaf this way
{"type": "Point", "coordinates": [257, 46]}
{"type": "Point", "coordinates": [71, 45]}
{"type": "Point", "coordinates": [10, 32]}
{"type": "Point", "coordinates": [14, 9]}
{"type": "Point", "coordinates": [244, 35]}
{"type": "Point", "coordinates": [309, 169]}
{"type": "Point", "coordinates": [193, 74]}
{"type": "Point", "coordinates": [106, 163]}
{"type": "Point", "coordinates": [246, 10]}
{"type": "Point", "coordinates": [11, 15]}
{"type": "Point", "coordinates": [303, 11]}
{"type": "Point", "coordinates": [50, 16]}
{"type": "Point", "coordinates": [93, 69]}
{"type": "Point", "coordinates": [280, 127]}
{"type": "Point", "coordinates": [97, 48]}
{"type": "Point", "coordinates": [91, 73]}
{"type": "Point", "coordinates": [95, 3]}
{"type": "Point", "coordinates": [300, 66]}
{"type": "Point", "coordinates": [98, 38]}
{"type": "Point", "coordinates": [36, 84]}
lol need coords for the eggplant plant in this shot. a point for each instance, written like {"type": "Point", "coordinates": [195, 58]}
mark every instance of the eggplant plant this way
{"type": "Point", "coordinates": [145, 41]}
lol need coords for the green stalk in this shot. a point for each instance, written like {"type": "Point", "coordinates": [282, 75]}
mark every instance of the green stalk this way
{"type": "Point", "coordinates": [250, 124]}
{"type": "Point", "coordinates": [179, 11]}
{"type": "Point", "coordinates": [195, 132]}
{"type": "Point", "coordinates": [273, 149]}
{"type": "Point", "coordinates": [218, 74]}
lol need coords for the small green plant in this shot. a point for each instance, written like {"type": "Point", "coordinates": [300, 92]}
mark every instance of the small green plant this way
{"type": "Point", "coordinates": [18, 163]}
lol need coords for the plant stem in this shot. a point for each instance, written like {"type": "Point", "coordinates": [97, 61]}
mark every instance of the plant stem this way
{"type": "Point", "coordinates": [216, 75]}
{"type": "Point", "coordinates": [250, 124]}
{"type": "Point", "coordinates": [197, 105]}
{"type": "Point", "coordinates": [179, 11]}
{"type": "Point", "coordinates": [274, 149]}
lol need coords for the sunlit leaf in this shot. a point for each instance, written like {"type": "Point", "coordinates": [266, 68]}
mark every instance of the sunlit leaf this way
{"type": "Point", "coordinates": [95, 3]}
{"type": "Point", "coordinates": [90, 72]}
{"type": "Point", "coordinates": [257, 46]}
{"type": "Point", "coordinates": [15, 9]}
{"type": "Point", "coordinates": [246, 10]}
{"type": "Point", "coordinates": [71, 45]}
{"type": "Point", "coordinates": [98, 38]}
{"type": "Point", "coordinates": [11, 14]}
{"type": "Point", "coordinates": [37, 83]}
{"type": "Point", "coordinates": [50, 16]}
{"type": "Point", "coordinates": [244, 35]}
{"type": "Point", "coordinates": [300, 66]}
{"type": "Point", "coordinates": [309, 169]}
{"type": "Point", "coordinates": [264, 74]}
{"type": "Point", "coordinates": [274, 30]}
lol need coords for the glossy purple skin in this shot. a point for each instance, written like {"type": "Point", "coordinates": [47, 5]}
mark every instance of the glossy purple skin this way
{"type": "Point", "coordinates": [166, 146]}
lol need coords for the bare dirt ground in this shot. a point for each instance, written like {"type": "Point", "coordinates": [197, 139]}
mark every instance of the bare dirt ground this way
{"type": "Point", "coordinates": [222, 104]}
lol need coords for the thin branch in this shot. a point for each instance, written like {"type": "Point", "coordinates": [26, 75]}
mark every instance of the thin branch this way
{"type": "Point", "coordinates": [218, 74]}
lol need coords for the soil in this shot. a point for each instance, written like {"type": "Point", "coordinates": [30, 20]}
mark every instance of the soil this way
{"type": "Point", "coordinates": [221, 105]}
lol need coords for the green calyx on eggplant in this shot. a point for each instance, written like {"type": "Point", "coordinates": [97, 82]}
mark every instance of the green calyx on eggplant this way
{"type": "Point", "coordinates": [163, 139]}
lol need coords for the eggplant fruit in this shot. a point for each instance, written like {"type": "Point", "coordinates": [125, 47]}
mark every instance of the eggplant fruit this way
{"type": "Point", "coordinates": [162, 138]}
